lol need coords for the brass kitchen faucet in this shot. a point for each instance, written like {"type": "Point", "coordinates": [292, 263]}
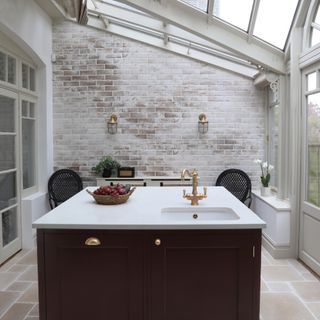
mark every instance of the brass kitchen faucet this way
{"type": "Point", "coordinates": [194, 196]}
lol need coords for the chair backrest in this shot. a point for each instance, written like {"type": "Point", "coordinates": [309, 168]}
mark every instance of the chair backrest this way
{"type": "Point", "coordinates": [237, 182]}
{"type": "Point", "coordinates": [62, 185]}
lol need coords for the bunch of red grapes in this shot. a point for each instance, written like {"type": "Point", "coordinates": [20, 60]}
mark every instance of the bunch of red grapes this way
{"type": "Point", "coordinates": [111, 190]}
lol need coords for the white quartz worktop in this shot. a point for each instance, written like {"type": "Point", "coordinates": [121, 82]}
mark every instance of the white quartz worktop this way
{"type": "Point", "coordinates": [143, 211]}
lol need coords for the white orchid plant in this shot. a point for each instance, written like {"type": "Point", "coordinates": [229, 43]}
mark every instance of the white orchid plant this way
{"type": "Point", "coordinates": [266, 168]}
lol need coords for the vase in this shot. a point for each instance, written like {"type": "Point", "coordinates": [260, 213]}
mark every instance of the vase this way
{"type": "Point", "coordinates": [106, 173]}
{"type": "Point", "coordinates": [265, 191]}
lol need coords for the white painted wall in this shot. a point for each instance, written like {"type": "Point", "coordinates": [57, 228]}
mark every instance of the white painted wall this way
{"type": "Point", "coordinates": [30, 28]}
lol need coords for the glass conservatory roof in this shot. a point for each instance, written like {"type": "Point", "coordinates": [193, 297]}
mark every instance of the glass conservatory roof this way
{"type": "Point", "coordinates": [269, 20]}
{"type": "Point", "coordinates": [250, 33]}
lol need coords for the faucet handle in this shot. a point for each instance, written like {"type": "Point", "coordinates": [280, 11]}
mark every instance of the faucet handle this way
{"type": "Point", "coordinates": [184, 193]}
{"type": "Point", "coordinates": [205, 190]}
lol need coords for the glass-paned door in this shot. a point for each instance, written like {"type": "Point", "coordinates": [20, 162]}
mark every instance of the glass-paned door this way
{"type": "Point", "coordinates": [28, 139]}
{"type": "Point", "coordinates": [310, 204]}
{"type": "Point", "coordinates": [313, 154]}
{"type": "Point", "coordinates": [10, 241]}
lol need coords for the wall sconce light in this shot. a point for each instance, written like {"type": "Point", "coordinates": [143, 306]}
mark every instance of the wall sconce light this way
{"type": "Point", "coordinates": [203, 124]}
{"type": "Point", "coordinates": [113, 124]}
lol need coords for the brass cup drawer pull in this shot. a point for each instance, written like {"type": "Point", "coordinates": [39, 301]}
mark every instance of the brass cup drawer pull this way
{"type": "Point", "coordinates": [92, 242]}
{"type": "Point", "coordinates": [157, 242]}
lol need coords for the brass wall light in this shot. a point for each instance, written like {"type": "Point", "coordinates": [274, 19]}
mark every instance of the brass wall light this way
{"type": "Point", "coordinates": [203, 124]}
{"type": "Point", "coordinates": [113, 124]}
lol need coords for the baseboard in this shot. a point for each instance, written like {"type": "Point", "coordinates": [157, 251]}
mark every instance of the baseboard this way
{"type": "Point", "coordinates": [278, 252]}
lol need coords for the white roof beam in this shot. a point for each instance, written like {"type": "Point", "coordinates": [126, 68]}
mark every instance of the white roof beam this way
{"type": "Point", "coordinates": [173, 45]}
{"type": "Point", "coordinates": [299, 20]}
{"type": "Point", "coordinates": [161, 33]}
{"type": "Point", "coordinates": [196, 22]}
{"type": "Point", "coordinates": [110, 11]}
{"type": "Point", "coordinates": [104, 19]}
{"type": "Point", "coordinates": [163, 30]}
{"type": "Point", "coordinates": [253, 19]}
{"type": "Point", "coordinates": [210, 8]}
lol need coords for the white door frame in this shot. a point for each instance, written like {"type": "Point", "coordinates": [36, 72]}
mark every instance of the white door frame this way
{"type": "Point", "coordinates": [309, 249]}
{"type": "Point", "coordinates": [15, 245]}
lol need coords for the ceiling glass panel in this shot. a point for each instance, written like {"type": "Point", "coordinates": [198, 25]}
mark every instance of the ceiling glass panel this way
{"type": "Point", "coordinates": [274, 20]}
{"type": "Point", "coordinates": [315, 37]}
{"type": "Point", "coordinates": [236, 12]}
{"type": "Point", "coordinates": [200, 4]}
{"type": "Point", "coordinates": [317, 18]}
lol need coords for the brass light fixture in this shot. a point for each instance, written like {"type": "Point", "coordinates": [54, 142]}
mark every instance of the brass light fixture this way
{"type": "Point", "coordinates": [203, 124]}
{"type": "Point", "coordinates": [113, 124]}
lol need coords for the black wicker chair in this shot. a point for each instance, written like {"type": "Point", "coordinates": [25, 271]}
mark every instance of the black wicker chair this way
{"type": "Point", "coordinates": [238, 183]}
{"type": "Point", "coordinates": [62, 185]}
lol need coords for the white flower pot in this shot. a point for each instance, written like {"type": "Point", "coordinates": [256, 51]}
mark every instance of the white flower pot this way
{"type": "Point", "coordinates": [265, 191]}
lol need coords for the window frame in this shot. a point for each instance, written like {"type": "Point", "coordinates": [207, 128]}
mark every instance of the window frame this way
{"type": "Point", "coordinates": [6, 84]}
{"type": "Point", "coordinates": [305, 143]}
{"type": "Point", "coordinates": [34, 100]}
{"type": "Point", "coordinates": [269, 106]}
{"type": "Point", "coordinates": [31, 96]}
{"type": "Point", "coordinates": [28, 90]}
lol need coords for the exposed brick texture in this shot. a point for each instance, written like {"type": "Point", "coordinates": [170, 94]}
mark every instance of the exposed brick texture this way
{"type": "Point", "coordinates": [157, 97]}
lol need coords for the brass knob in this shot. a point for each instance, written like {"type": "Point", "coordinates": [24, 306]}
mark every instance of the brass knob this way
{"type": "Point", "coordinates": [157, 242]}
{"type": "Point", "coordinates": [92, 242]}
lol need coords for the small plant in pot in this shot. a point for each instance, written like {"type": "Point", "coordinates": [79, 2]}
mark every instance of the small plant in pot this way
{"type": "Point", "coordinates": [106, 166]}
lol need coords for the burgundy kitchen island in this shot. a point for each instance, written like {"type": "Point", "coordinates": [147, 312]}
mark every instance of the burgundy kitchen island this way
{"type": "Point", "coordinates": [150, 259]}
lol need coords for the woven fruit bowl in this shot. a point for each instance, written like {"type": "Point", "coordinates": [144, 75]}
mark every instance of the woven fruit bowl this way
{"type": "Point", "coordinates": [112, 199]}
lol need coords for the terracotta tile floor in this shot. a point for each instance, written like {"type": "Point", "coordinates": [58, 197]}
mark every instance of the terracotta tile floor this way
{"type": "Point", "coordinates": [289, 291]}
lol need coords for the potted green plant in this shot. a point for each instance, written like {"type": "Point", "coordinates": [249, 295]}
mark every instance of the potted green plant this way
{"type": "Point", "coordinates": [106, 166]}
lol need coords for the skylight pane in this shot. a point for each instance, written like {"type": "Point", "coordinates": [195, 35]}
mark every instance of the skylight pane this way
{"type": "Point", "coordinates": [236, 12]}
{"type": "Point", "coordinates": [315, 37]}
{"type": "Point", "coordinates": [115, 3]}
{"type": "Point", "coordinates": [317, 18]}
{"type": "Point", "coordinates": [200, 4]}
{"type": "Point", "coordinates": [274, 20]}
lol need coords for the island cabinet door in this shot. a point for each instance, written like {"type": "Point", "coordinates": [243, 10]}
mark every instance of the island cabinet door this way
{"type": "Point", "coordinates": [90, 275]}
{"type": "Point", "coordinates": [204, 275]}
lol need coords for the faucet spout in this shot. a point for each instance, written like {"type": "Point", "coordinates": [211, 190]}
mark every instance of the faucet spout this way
{"type": "Point", "coordinates": [194, 196]}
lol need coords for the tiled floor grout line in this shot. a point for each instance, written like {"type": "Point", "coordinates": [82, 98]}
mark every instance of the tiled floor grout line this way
{"type": "Point", "coordinates": [28, 314]}
{"type": "Point", "coordinates": [8, 268]}
{"type": "Point", "coordinates": [6, 310]}
{"type": "Point", "coordinates": [302, 301]}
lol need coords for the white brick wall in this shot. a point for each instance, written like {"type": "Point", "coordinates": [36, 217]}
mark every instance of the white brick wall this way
{"type": "Point", "coordinates": [157, 96]}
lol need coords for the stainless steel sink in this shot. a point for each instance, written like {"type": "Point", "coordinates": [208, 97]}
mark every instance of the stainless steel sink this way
{"type": "Point", "coordinates": [198, 213]}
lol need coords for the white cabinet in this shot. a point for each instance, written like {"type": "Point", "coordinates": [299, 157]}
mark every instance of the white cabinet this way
{"type": "Point", "coordinates": [146, 181]}
{"type": "Point", "coordinates": [276, 213]}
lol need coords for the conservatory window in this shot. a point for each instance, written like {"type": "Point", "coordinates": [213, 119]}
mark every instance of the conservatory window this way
{"type": "Point", "coordinates": [312, 139]}
{"type": "Point", "coordinates": [28, 137]}
{"type": "Point", "coordinates": [311, 81]}
{"type": "Point", "coordinates": [7, 68]}
{"type": "Point", "coordinates": [315, 29]}
{"type": "Point", "coordinates": [28, 77]}
{"type": "Point", "coordinates": [234, 11]}
{"type": "Point", "coordinates": [199, 4]}
{"type": "Point", "coordinates": [315, 36]}
{"type": "Point", "coordinates": [274, 20]}
{"type": "Point", "coordinates": [273, 137]}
